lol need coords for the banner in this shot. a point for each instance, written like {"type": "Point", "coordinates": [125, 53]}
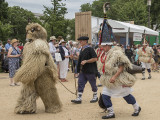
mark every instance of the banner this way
{"type": "Point", "coordinates": [137, 36]}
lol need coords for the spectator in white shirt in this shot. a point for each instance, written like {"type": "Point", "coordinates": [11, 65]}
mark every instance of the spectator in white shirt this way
{"type": "Point", "coordinates": [52, 47]}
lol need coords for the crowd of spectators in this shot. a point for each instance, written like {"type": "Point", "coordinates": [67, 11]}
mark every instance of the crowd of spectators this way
{"type": "Point", "coordinates": [131, 53]}
{"type": "Point", "coordinates": [69, 53]}
{"type": "Point", "coordinates": [74, 49]}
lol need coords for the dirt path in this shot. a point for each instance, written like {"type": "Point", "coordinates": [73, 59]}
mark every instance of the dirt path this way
{"type": "Point", "coordinates": [146, 92]}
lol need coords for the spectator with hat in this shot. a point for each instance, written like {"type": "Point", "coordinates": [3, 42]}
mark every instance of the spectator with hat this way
{"type": "Point", "coordinates": [52, 47]}
{"type": "Point", "coordinates": [14, 63]}
{"type": "Point", "coordinates": [87, 69]}
{"type": "Point", "coordinates": [63, 65]}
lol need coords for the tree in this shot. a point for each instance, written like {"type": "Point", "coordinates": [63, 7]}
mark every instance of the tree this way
{"type": "Point", "coordinates": [86, 7]}
{"type": "Point", "coordinates": [132, 10]}
{"type": "Point", "coordinates": [3, 10]}
{"type": "Point", "coordinates": [19, 18]}
{"type": "Point", "coordinates": [5, 31]}
{"type": "Point", "coordinates": [122, 10]}
{"type": "Point", "coordinates": [96, 7]}
{"type": "Point", "coordinates": [71, 29]}
{"type": "Point", "coordinates": [155, 14]}
{"type": "Point", "coordinates": [54, 20]}
{"type": "Point", "coordinates": [4, 27]}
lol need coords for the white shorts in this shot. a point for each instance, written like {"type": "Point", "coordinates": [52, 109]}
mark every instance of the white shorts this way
{"type": "Point", "coordinates": [146, 65]}
{"type": "Point", "coordinates": [117, 92]}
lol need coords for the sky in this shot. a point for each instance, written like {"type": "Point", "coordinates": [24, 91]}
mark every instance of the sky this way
{"type": "Point", "coordinates": [36, 6]}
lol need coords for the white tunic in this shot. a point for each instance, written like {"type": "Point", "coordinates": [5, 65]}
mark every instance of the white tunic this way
{"type": "Point", "coordinates": [146, 65]}
{"type": "Point", "coordinates": [117, 92]}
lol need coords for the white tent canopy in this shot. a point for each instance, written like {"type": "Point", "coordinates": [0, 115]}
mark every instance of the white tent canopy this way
{"type": "Point", "coordinates": [123, 27]}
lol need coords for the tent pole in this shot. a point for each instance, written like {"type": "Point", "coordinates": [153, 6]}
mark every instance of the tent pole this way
{"type": "Point", "coordinates": [157, 40]}
{"type": "Point", "coordinates": [127, 37]}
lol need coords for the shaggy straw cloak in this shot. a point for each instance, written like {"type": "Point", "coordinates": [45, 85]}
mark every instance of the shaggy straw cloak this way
{"type": "Point", "coordinates": [38, 74]}
{"type": "Point", "coordinates": [145, 56]}
{"type": "Point", "coordinates": [116, 57]}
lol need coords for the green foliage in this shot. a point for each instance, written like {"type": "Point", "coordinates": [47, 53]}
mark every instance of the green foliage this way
{"type": "Point", "coordinates": [96, 7]}
{"type": "Point", "coordinates": [19, 18]}
{"type": "Point", "coordinates": [123, 10]}
{"type": "Point", "coordinates": [3, 10]}
{"type": "Point", "coordinates": [54, 20]}
{"type": "Point", "coordinates": [71, 29]}
{"type": "Point", "coordinates": [4, 27]}
{"type": "Point", "coordinates": [5, 31]}
{"type": "Point", "coordinates": [13, 21]}
{"type": "Point", "coordinates": [86, 7]}
{"type": "Point", "coordinates": [155, 13]}
{"type": "Point", "coordinates": [132, 10]}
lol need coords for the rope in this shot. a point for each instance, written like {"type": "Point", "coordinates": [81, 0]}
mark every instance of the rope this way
{"type": "Point", "coordinates": [67, 88]}
{"type": "Point", "coordinates": [74, 80]}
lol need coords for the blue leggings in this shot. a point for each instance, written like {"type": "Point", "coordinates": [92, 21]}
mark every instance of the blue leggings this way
{"type": "Point", "coordinates": [108, 103]}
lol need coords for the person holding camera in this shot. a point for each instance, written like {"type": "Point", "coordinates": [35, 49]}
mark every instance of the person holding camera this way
{"type": "Point", "coordinates": [14, 60]}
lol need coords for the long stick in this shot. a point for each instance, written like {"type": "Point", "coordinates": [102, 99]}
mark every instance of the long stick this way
{"type": "Point", "coordinates": [74, 78]}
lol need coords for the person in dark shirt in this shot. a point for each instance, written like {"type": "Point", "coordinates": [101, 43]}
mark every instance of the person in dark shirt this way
{"type": "Point", "coordinates": [87, 69]}
{"type": "Point", "coordinates": [129, 53]}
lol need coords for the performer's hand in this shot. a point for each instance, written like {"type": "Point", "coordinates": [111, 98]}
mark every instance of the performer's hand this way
{"type": "Point", "coordinates": [83, 62]}
{"type": "Point", "coordinates": [112, 80]}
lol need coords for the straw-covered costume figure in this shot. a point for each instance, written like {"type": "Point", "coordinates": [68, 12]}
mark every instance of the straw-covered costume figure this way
{"type": "Point", "coordinates": [145, 57]}
{"type": "Point", "coordinates": [113, 65]}
{"type": "Point", "coordinates": [38, 74]}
